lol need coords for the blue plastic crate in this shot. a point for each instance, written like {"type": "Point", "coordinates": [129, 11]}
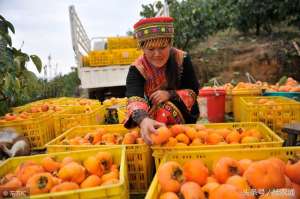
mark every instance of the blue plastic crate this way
{"type": "Point", "coordinates": [292, 95]}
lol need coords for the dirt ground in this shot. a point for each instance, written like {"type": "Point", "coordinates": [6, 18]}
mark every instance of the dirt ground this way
{"type": "Point", "coordinates": [229, 55]}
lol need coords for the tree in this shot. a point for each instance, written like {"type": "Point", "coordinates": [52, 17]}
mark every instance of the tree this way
{"type": "Point", "coordinates": [13, 71]}
{"type": "Point", "coordinates": [258, 15]}
{"type": "Point", "coordinates": [196, 19]}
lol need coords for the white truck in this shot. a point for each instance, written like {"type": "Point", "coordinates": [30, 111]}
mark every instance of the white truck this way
{"type": "Point", "coordinates": [97, 82]}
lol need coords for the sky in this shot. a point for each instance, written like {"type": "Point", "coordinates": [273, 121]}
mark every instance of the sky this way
{"type": "Point", "coordinates": [44, 27]}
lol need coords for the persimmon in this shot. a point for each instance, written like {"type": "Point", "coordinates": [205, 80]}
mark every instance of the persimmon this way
{"type": "Point", "coordinates": [183, 138]}
{"type": "Point", "coordinates": [45, 107]}
{"type": "Point", "coordinates": [135, 133]}
{"type": "Point", "coordinates": [105, 159]}
{"type": "Point", "coordinates": [140, 140]}
{"type": "Point", "coordinates": [10, 117]}
{"type": "Point", "coordinates": [110, 182]}
{"type": "Point", "coordinates": [211, 179]}
{"type": "Point", "coordinates": [202, 134]}
{"type": "Point", "coordinates": [40, 183]}
{"type": "Point", "coordinates": [196, 171]}
{"type": "Point", "coordinates": [224, 132]}
{"type": "Point", "coordinates": [171, 142]}
{"type": "Point", "coordinates": [226, 191]}
{"type": "Point", "coordinates": [129, 139]}
{"type": "Point", "coordinates": [226, 167]}
{"type": "Point", "coordinates": [244, 164]}
{"type": "Point", "coordinates": [196, 142]}
{"type": "Point", "coordinates": [12, 182]}
{"type": "Point", "coordinates": [239, 182]}
{"type": "Point", "coordinates": [65, 186]}
{"type": "Point", "coordinates": [67, 160]}
{"type": "Point", "coordinates": [191, 190]}
{"type": "Point", "coordinates": [292, 170]}
{"type": "Point", "coordinates": [170, 176]}
{"type": "Point", "coordinates": [209, 187]}
{"type": "Point", "coordinates": [73, 172]}
{"type": "Point", "coordinates": [114, 174]}
{"type": "Point", "coordinates": [264, 174]}
{"type": "Point", "coordinates": [213, 138]}
{"type": "Point", "coordinates": [177, 129]}
{"type": "Point", "coordinates": [233, 137]}
{"type": "Point", "coordinates": [288, 182]}
{"type": "Point", "coordinates": [50, 165]}
{"type": "Point", "coordinates": [98, 136]}
{"type": "Point", "coordinates": [190, 132]}
{"type": "Point", "coordinates": [108, 138]}
{"type": "Point", "coordinates": [161, 135]}
{"type": "Point", "coordinates": [278, 162]}
{"type": "Point", "coordinates": [28, 170]}
{"type": "Point", "coordinates": [93, 166]}
{"type": "Point", "coordinates": [168, 195]}
{"type": "Point", "coordinates": [91, 181]}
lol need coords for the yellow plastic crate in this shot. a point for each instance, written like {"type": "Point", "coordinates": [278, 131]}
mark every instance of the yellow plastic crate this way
{"type": "Point", "coordinates": [75, 115]}
{"type": "Point", "coordinates": [39, 130]}
{"type": "Point", "coordinates": [208, 157]}
{"type": "Point", "coordinates": [121, 42]}
{"type": "Point", "coordinates": [100, 58]}
{"type": "Point", "coordinates": [115, 191]}
{"type": "Point", "coordinates": [274, 116]}
{"type": "Point", "coordinates": [236, 102]}
{"type": "Point", "coordinates": [125, 56]}
{"type": "Point", "coordinates": [271, 140]}
{"type": "Point", "coordinates": [139, 158]}
{"type": "Point", "coordinates": [50, 101]}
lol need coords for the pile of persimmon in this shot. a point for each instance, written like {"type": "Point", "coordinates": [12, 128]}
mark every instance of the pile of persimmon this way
{"type": "Point", "coordinates": [102, 137]}
{"type": "Point", "coordinates": [230, 179]}
{"type": "Point", "coordinates": [181, 135]}
{"type": "Point", "coordinates": [33, 112]}
{"type": "Point", "coordinates": [115, 101]}
{"type": "Point", "coordinates": [290, 85]}
{"type": "Point", "coordinates": [52, 176]}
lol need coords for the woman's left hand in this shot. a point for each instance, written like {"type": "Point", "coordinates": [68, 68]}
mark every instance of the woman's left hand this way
{"type": "Point", "coordinates": [159, 97]}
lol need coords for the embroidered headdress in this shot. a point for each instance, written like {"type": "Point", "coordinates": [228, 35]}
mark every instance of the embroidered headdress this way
{"type": "Point", "coordinates": [154, 32]}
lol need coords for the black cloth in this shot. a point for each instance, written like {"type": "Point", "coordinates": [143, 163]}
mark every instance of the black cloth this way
{"type": "Point", "coordinates": [187, 80]}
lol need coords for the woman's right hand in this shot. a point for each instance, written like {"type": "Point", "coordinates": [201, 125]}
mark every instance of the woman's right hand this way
{"type": "Point", "coordinates": [149, 126]}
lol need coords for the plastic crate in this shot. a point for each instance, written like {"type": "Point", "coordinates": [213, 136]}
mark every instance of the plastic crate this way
{"type": "Point", "coordinates": [75, 115]}
{"type": "Point", "coordinates": [121, 42]}
{"type": "Point", "coordinates": [139, 158]}
{"type": "Point", "coordinates": [209, 156]}
{"type": "Point", "coordinates": [236, 102]}
{"type": "Point", "coordinates": [115, 191]}
{"type": "Point", "coordinates": [292, 95]}
{"type": "Point", "coordinates": [100, 58]}
{"type": "Point", "coordinates": [271, 140]}
{"type": "Point", "coordinates": [39, 130]}
{"type": "Point", "coordinates": [125, 56]}
{"type": "Point", "coordinates": [274, 116]}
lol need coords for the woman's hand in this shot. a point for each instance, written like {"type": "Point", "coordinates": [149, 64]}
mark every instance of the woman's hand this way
{"type": "Point", "coordinates": [149, 126]}
{"type": "Point", "coordinates": [159, 97]}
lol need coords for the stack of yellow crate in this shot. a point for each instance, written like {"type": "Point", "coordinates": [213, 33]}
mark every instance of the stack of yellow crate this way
{"type": "Point", "coordinates": [120, 51]}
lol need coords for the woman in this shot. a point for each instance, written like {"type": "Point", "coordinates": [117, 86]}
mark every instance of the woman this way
{"type": "Point", "coordinates": [161, 84]}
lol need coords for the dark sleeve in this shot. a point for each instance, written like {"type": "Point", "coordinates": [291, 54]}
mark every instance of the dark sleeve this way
{"type": "Point", "coordinates": [189, 79]}
{"type": "Point", "coordinates": [134, 83]}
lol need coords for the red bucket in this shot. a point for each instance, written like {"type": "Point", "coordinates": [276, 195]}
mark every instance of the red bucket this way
{"type": "Point", "coordinates": [212, 104]}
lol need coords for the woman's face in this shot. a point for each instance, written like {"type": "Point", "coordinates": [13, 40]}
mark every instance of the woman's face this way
{"type": "Point", "coordinates": [157, 56]}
